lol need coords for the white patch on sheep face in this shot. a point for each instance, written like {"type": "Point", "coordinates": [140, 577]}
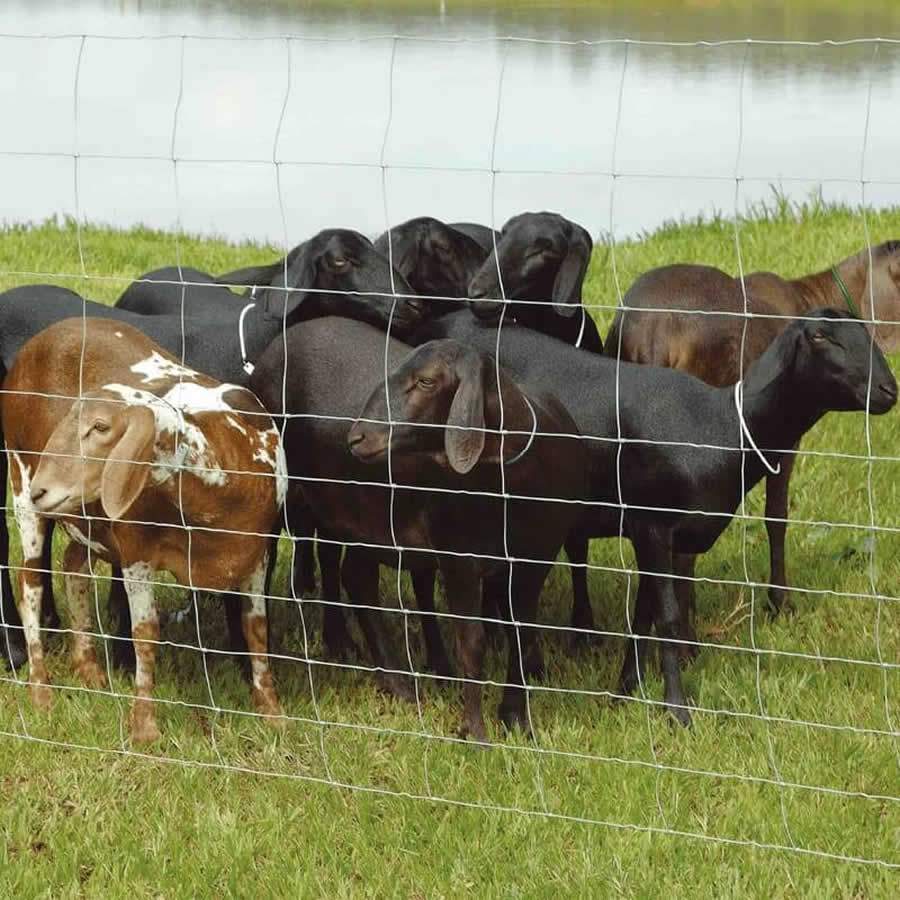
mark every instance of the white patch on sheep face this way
{"type": "Point", "coordinates": [26, 515]}
{"type": "Point", "coordinates": [156, 367]}
{"type": "Point", "coordinates": [78, 535]}
{"type": "Point", "coordinates": [271, 453]}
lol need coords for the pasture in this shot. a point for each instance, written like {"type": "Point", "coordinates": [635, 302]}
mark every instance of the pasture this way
{"type": "Point", "coordinates": [794, 746]}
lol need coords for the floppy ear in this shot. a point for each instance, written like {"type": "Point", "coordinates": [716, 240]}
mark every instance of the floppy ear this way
{"type": "Point", "coordinates": [122, 481]}
{"type": "Point", "coordinates": [894, 266]}
{"type": "Point", "coordinates": [404, 250]}
{"type": "Point", "coordinates": [301, 272]}
{"type": "Point", "coordinates": [569, 278]}
{"type": "Point", "coordinates": [887, 305]}
{"type": "Point", "coordinates": [261, 275]}
{"type": "Point", "coordinates": [464, 448]}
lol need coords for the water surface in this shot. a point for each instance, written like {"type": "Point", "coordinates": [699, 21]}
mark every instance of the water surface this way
{"type": "Point", "coordinates": [272, 120]}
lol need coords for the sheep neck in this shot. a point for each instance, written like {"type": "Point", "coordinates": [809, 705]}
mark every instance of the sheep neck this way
{"type": "Point", "coordinates": [778, 406]}
{"type": "Point", "coordinates": [824, 289]}
{"type": "Point", "coordinates": [518, 417]}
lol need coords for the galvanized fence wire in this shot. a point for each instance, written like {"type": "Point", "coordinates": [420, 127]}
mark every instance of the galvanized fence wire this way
{"type": "Point", "coordinates": [540, 751]}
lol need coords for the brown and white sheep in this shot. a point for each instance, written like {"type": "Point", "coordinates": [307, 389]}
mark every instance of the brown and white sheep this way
{"type": "Point", "coordinates": [148, 464]}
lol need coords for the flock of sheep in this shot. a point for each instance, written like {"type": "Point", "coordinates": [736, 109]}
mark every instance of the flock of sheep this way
{"type": "Point", "coordinates": [438, 400]}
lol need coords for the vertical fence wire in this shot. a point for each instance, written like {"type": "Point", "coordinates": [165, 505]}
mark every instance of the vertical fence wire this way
{"type": "Point", "coordinates": [745, 560]}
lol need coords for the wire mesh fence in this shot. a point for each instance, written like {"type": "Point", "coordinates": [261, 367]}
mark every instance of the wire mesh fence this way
{"type": "Point", "coordinates": [776, 697]}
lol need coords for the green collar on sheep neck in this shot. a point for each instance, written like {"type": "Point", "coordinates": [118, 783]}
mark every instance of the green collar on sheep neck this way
{"type": "Point", "coordinates": [845, 293]}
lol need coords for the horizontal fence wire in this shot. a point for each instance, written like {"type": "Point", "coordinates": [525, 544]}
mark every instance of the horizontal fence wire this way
{"type": "Point", "coordinates": [772, 725]}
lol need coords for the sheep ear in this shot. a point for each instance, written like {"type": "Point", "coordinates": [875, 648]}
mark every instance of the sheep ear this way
{"type": "Point", "coordinates": [260, 275]}
{"type": "Point", "coordinates": [894, 267]}
{"type": "Point", "coordinates": [126, 471]}
{"type": "Point", "coordinates": [569, 278]}
{"type": "Point", "coordinates": [887, 306]}
{"type": "Point", "coordinates": [302, 272]}
{"type": "Point", "coordinates": [405, 252]}
{"type": "Point", "coordinates": [464, 447]}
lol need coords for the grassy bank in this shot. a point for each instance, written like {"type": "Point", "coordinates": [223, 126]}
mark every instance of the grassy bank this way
{"type": "Point", "coordinates": [609, 801]}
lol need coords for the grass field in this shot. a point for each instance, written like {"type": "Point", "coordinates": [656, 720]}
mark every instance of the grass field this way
{"type": "Point", "coordinates": [608, 801]}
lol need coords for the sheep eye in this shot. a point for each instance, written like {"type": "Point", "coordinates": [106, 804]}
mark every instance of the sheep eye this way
{"type": "Point", "coordinates": [819, 338]}
{"type": "Point", "coordinates": [99, 427]}
{"type": "Point", "coordinates": [426, 383]}
{"type": "Point", "coordinates": [340, 262]}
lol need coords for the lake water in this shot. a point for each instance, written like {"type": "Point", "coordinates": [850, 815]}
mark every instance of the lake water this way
{"type": "Point", "coordinates": [272, 120]}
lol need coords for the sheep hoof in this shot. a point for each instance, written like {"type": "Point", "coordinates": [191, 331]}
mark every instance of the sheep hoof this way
{"type": "Point", "coordinates": [41, 696]}
{"type": "Point", "coordinates": [90, 673]}
{"type": "Point", "coordinates": [273, 717]}
{"type": "Point", "coordinates": [779, 602]}
{"type": "Point", "coordinates": [476, 733]}
{"type": "Point", "coordinates": [397, 686]}
{"type": "Point", "coordinates": [680, 713]}
{"type": "Point", "coordinates": [687, 653]}
{"type": "Point", "coordinates": [628, 683]}
{"type": "Point", "coordinates": [267, 705]}
{"type": "Point", "coordinates": [144, 729]}
{"type": "Point", "coordinates": [515, 718]}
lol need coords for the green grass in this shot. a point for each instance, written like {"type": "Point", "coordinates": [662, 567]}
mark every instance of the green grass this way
{"type": "Point", "coordinates": [230, 808]}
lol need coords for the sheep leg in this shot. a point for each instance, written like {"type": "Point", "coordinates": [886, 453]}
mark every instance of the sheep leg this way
{"type": "Point", "coordinates": [122, 646]}
{"type": "Point", "coordinates": [256, 634]}
{"type": "Point", "coordinates": [498, 586]}
{"type": "Point", "coordinates": [234, 623]}
{"type": "Point", "coordinates": [32, 532]}
{"type": "Point", "coordinates": [777, 488]}
{"type": "Point", "coordinates": [234, 605]}
{"type": "Point", "coordinates": [78, 596]}
{"type": "Point", "coordinates": [49, 614]}
{"type": "Point", "coordinates": [635, 664]}
{"type": "Point", "coordinates": [12, 642]}
{"type": "Point", "coordinates": [527, 580]}
{"type": "Point", "coordinates": [493, 596]}
{"type": "Point", "coordinates": [335, 635]}
{"type": "Point", "coordinates": [463, 588]}
{"type": "Point", "coordinates": [653, 548]}
{"type": "Point", "coordinates": [360, 576]}
{"type": "Point", "coordinates": [582, 612]}
{"type": "Point", "coordinates": [301, 528]}
{"type": "Point", "coordinates": [687, 606]}
{"type": "Point", "coordinates": [307, 559]}
{"type": "Point", "coordinates": [145, 637]}
{"type": "Point", "coordinates": [436, 659]}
